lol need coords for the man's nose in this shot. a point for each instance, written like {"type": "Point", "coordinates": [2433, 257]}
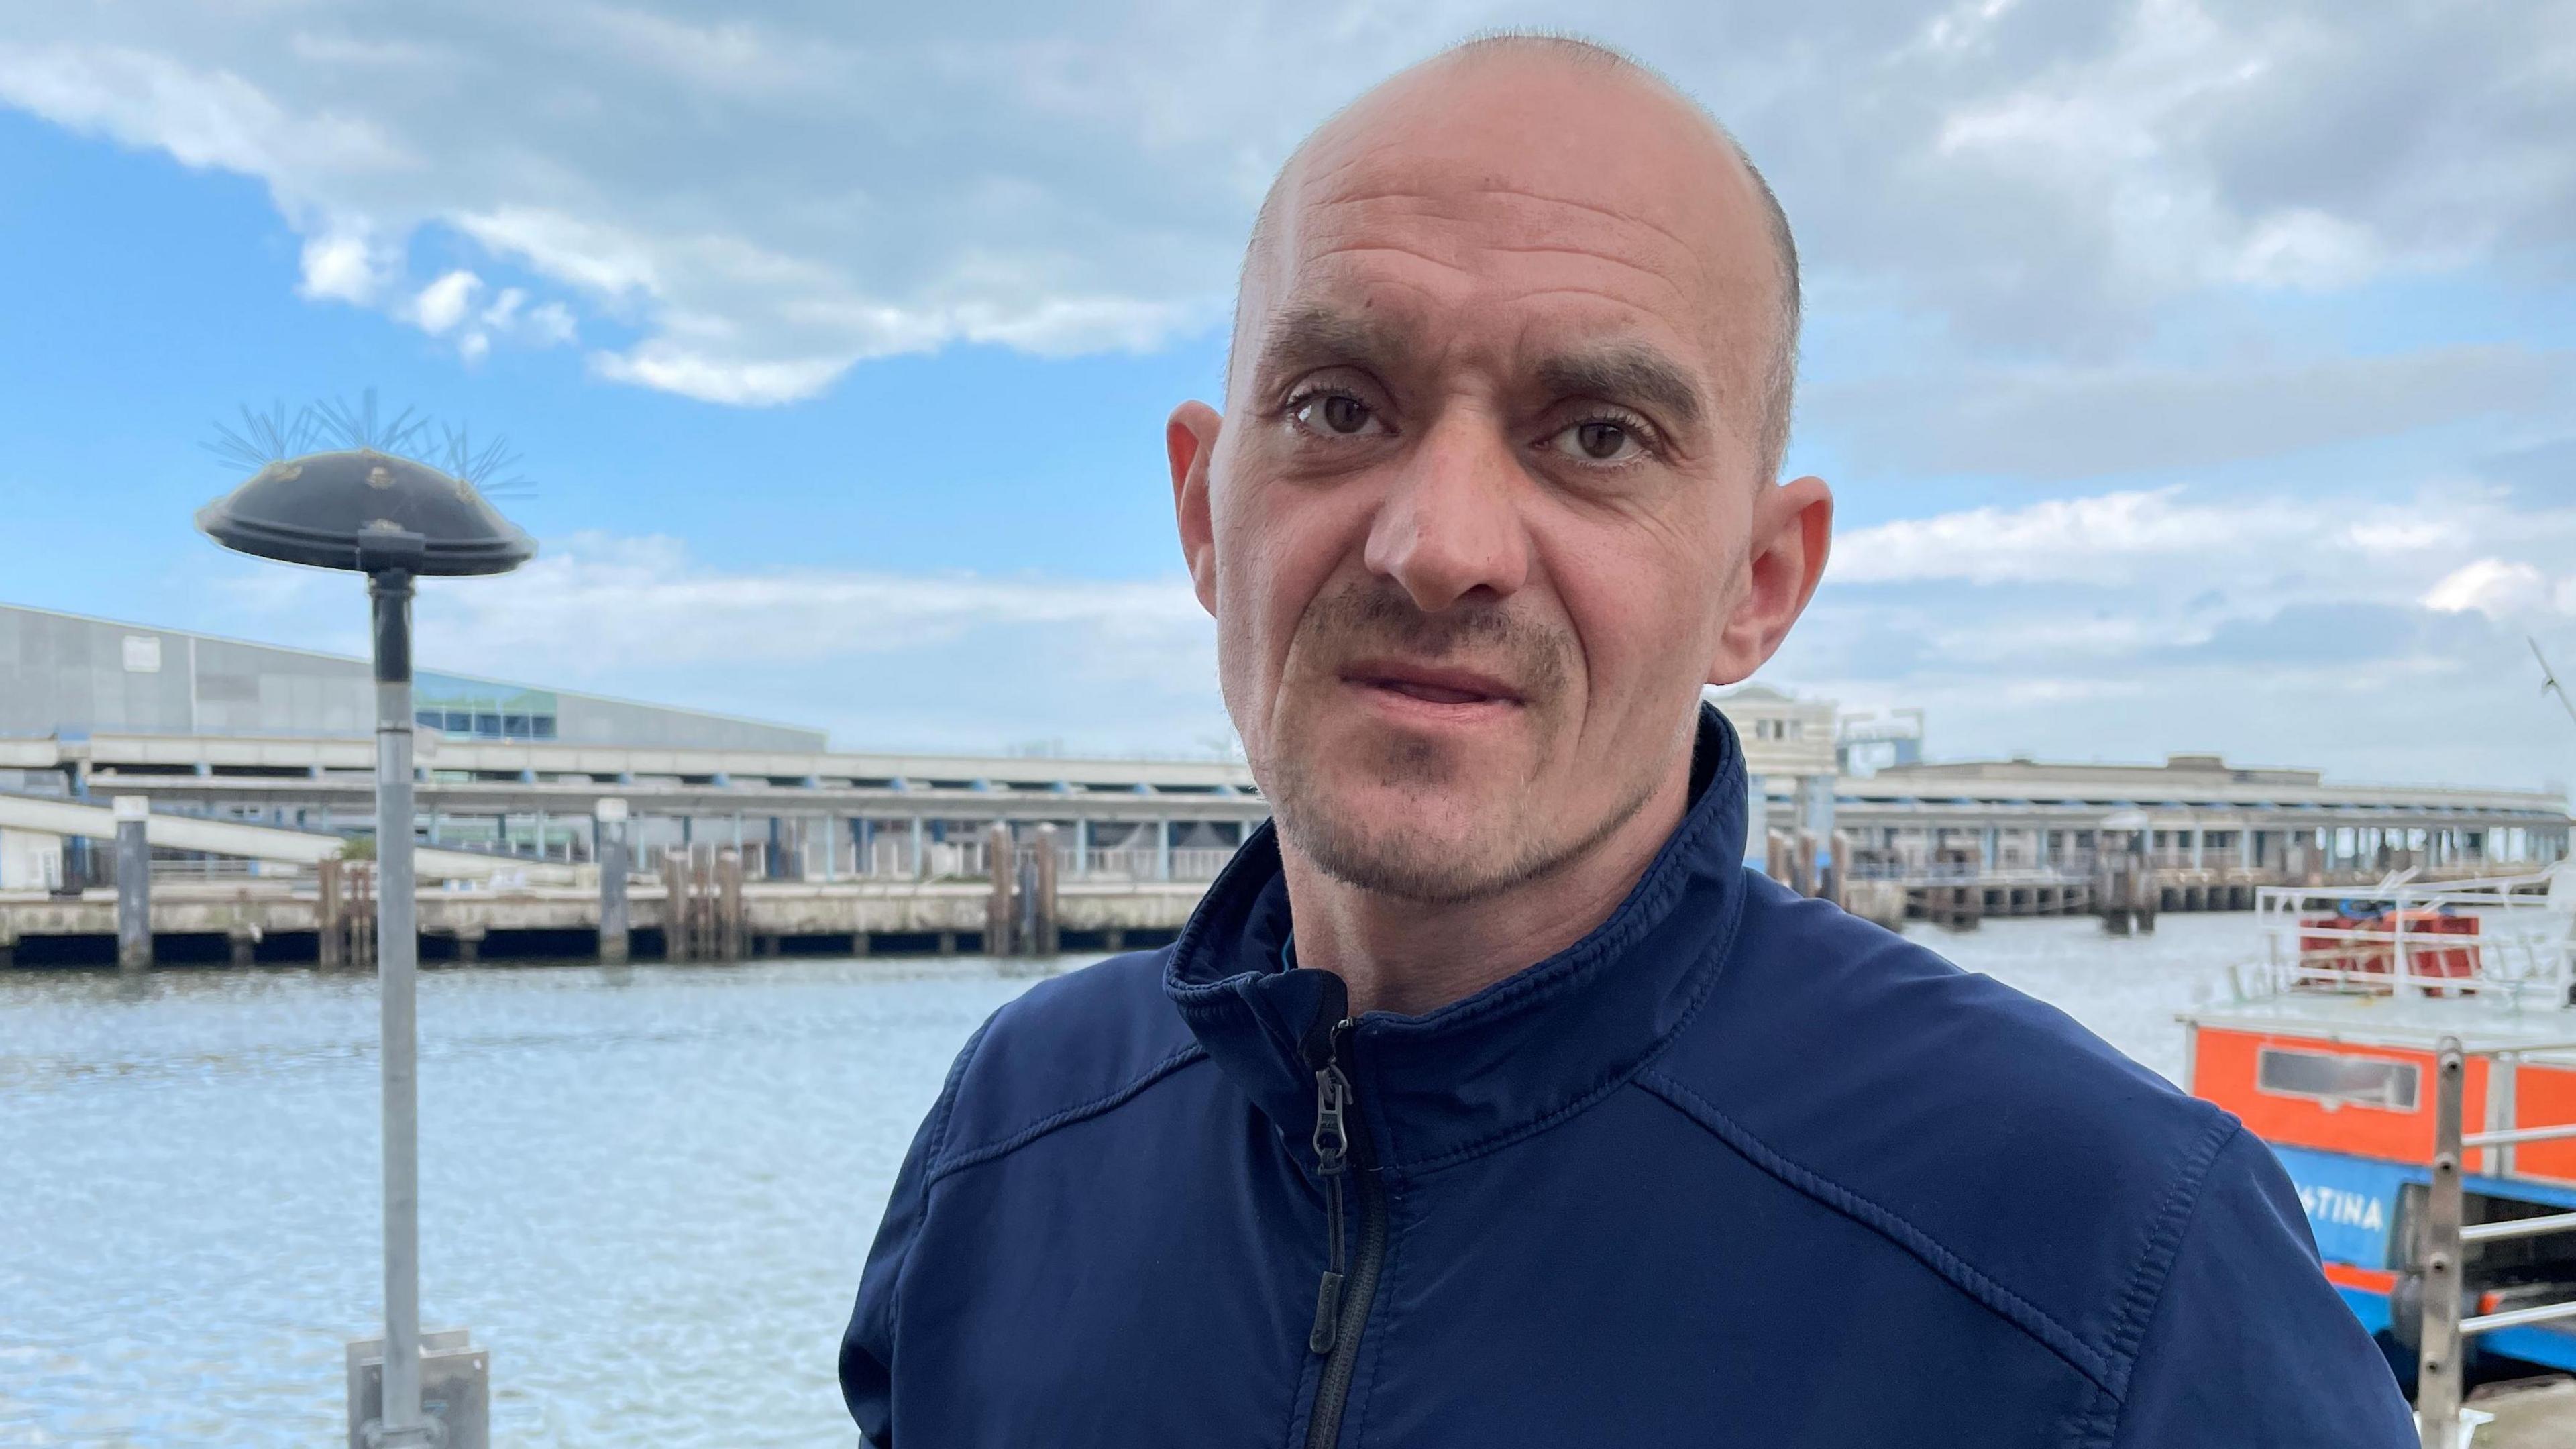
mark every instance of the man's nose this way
{"type": "Point", "coordinates": [1450, 523]}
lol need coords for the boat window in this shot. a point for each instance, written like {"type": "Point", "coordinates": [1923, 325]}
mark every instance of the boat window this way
{"type": "Point", "coordinates": [2363, 1081]}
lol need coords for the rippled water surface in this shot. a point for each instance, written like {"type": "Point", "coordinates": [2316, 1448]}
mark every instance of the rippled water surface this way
{"type": "Point", "coordinates": [647, 1190]}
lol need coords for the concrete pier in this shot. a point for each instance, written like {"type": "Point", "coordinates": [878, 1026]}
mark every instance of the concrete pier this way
{"type": "Point", "coordinates": [133, 884]}
{"type": "Point", "coordinates": [611, 815]}
{"type": "Point", "coordinates": [200, 923]}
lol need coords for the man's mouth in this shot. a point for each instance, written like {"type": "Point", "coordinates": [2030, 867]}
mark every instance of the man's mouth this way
{"type": "Point", "coordinates": [1431, 684]}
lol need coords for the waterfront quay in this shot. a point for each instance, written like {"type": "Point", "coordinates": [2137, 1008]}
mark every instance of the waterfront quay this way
{"type": "Point", "coordinates": [252, 765]}
{"type": "Point", "coordinates": [276, 919]}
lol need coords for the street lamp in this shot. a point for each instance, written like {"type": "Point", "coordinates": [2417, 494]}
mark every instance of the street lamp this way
{"type": "Point", "coordinates": [392, 519]}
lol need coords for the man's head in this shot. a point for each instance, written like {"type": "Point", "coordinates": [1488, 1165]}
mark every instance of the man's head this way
{"type": "Point", "coordinates": [1494, 493]}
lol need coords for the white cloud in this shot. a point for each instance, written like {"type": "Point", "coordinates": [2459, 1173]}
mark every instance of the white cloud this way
{"type": "Point", "coordinates": [2174, 544]}
{"type": "Point", "coordinates": [692, 373]}
{"type": "Point", "coordinates": [551, 323]}
{"type": "Point", "coordinates": [443, 303]}
{"type": "Point", "coordinates": [2278, 628]}
{"type": "Point", "coordinates": [954, 659]}
{"type": "Point", "coordinates": [2051, 422]}
{"type": "Point", "coordinates": [2105, 539]}
{"type": "Point", "coordinates": [2502, 589]}
{"type": "Point", "coordinates": [762, 202]}
{"type": "Point", "coordinates": [596, 601]}
{"type": "Point", "coordinates": [2306, 250]}
{"type": "Point", "coordinates": [343, 267]}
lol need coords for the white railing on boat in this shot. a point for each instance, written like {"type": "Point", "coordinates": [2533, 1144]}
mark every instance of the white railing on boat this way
{"type": "Point", "coordinates": [2521, 950]}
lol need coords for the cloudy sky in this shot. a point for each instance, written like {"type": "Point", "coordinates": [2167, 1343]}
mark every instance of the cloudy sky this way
{"type": "Point", "coordinates": [2193, 376]}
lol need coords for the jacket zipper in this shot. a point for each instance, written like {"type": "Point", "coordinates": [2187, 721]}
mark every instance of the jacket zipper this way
{"type": "Point", "coordinates": [1336, 1334]}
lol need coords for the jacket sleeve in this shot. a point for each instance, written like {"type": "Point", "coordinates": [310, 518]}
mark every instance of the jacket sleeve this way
{"type": "Point", "coordinates": [868, 1345]}
{"type": "Point", "coordinates": [2248, 1344]}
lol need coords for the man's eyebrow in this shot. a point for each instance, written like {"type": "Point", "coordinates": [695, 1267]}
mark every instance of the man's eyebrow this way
{"type": "Point", "coordinates": [1630, 372]}
{"type": "Point", "coordinates": [1306, 338]}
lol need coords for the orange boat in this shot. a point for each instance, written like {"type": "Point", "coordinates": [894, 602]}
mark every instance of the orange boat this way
{"type": "Point", "coordinates": [2411, 1059]}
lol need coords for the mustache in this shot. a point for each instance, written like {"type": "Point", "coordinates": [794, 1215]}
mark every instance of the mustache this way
{"type": "Point", "coordinates": [1379, 617]}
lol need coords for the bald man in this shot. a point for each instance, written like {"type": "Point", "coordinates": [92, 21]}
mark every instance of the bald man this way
{"type": "Point", "coordinates": [1487, 1098]}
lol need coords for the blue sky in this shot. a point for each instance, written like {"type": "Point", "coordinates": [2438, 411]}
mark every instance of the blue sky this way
{"type": "Point", "coordinates": [2192, 377]}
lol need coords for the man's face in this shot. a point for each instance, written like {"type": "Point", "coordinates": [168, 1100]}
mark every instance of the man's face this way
{"type": "Point", "coordinates": [1478, 517]}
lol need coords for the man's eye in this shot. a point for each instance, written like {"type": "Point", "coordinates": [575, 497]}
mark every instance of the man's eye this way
{"type": "Point", "coordinates": [1598, 441]}
{"type": "Point", "coordinates": [1335, 413]}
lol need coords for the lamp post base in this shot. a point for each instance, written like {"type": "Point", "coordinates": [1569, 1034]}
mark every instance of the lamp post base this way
{"type": "Point", "coordinates": [455, 1394]}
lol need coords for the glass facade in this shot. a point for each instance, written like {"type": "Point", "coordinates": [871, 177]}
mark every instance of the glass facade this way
{"type": "Point", "coordinates": [478, 709]}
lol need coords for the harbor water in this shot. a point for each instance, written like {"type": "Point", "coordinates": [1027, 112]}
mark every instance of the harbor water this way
{"type": "Point", "coordinates": [648, 1189]}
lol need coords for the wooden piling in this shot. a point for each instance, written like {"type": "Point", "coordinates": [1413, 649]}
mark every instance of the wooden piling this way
{"type": "Point", "coordinates": [330, 946]}
{"type": "Point", "coordinates": [1045, 937]}
{"type": "Point", "coordinates": [1957, 899]}
{"type": "Point", "coordinates": [675, 903]}
{"type": "Point", "coordinates": [361, 918]}
{"type": "Point", "coordinates": [1000, 862]}
{"type": "Point", "coordinates": [612, 855]}
{"type": "Point", "coordinates": [729, 903]}
{"type": "Point", "coordinates": [133, 884]}
{"type": "Point", "coordinates": [702, 904]}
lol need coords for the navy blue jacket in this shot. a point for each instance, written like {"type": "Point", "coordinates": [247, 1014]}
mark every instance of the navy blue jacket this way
{"type": "Point", "coordinates": [1737, 1169]}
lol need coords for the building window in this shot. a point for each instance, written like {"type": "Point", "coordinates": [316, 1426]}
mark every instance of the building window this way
{"type": "Point", "coordinates": [514, 727]}
{"type": "Point", "coordinates": [430, 719]}
{"type": "Point", "coordinates": [487, 726]}
{"type": "Point", "coordinates": [542, 726]}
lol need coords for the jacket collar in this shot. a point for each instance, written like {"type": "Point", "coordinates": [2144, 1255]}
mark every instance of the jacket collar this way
{"type": "Point", "coordinates": [1486, 1069]}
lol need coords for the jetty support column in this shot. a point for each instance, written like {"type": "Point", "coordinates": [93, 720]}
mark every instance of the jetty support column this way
{"type": "Point", "coordinates": [1047, 935]}
{"type": "Point", "coordinates": [611, 858]}
{"type": "Point", "coordinates": [1000, 864]}
{"type": "Point", "coordinates": [330, 895]}
{"type": "Point", "coordinates": [675, 903]}
{"type": "Point", "coordinates": [133, 883]}
{"type": "Point", "coordinates": [728, 903]}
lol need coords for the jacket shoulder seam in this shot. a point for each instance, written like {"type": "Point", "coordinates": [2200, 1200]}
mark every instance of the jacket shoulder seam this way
{"type": "Point", "coordinates": [939, 1114]}
{"type": "Point", "coordinates": [1961, 1274]}
{"type": "Point", "coordinates": [948, 1091]}
{"type": "Point", "coordinates": [1119, 1097]}
{"type": "Point", "coordinates": [2146, 1290]}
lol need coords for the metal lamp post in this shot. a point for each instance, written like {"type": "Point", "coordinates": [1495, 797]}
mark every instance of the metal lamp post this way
{"type": "Point", "coordinates": [394, 520]}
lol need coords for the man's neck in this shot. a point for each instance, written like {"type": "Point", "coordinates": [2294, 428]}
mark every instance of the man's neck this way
{"type": "Point", "coordinates": [1411, 957]}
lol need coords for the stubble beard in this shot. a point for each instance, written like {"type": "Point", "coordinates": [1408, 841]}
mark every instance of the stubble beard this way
{"type": "Point", "coordinates": [1400, 858]}
{"type": "Point", "coordinates": [1405, 863]}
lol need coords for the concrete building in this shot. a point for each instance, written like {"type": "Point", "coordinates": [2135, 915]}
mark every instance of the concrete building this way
{"type": "Point", "coordinates": [71, 674]}
{"type": "Point", "coordinates": [2206, 819]}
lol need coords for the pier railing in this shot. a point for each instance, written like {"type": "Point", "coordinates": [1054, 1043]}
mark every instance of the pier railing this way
{"type": "Point", "coordinates": [2447, 1239]}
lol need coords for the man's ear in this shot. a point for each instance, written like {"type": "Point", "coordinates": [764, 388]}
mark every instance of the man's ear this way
{"type": "Point", "coordinates": [1190, 439]}
{"type": "Point", "coordinates": [1793, 527]}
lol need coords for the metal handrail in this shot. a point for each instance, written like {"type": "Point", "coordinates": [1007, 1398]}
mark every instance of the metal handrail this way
{"type": "Point", "coordinates": [2539, 1227]}
{"type": "Point", "coordinates": [2437, 1379]}
{"type": "Point", "coordinates": [2520, 1134]}
{"type": "Point", "coordinates": [2517, 1317]}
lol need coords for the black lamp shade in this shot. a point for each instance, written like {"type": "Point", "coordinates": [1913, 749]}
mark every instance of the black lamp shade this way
{"type": "Point", "coordinates": [366, 511]}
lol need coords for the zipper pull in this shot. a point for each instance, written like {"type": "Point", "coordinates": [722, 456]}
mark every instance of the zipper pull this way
{"type": "Point", "coordinates": [1328, 1315]}
{"type": "Point", "coordinates": [1332, 1159]}
{"type": "Point", "coordinates": [1332, 1135]}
